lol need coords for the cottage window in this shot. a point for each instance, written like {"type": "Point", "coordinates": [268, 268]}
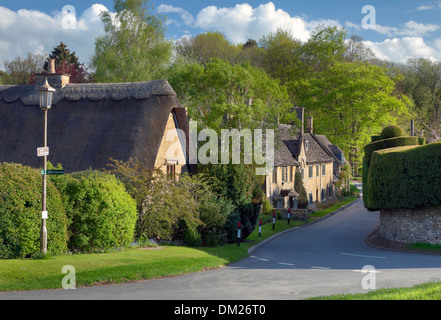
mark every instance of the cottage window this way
{"type": "Point", "coordinates": [284, 174]}
{"type": "Point", "coordinates": [310, 172]}
{"type": "Point", "coordinates": [171, 172]}
{"type": "Point", "coordinates": [323, 169]}
{"type": "Point", "coordinates": [291, 176]}
{"type": "Point", "coordinates": [310, 198]}
{"type": "Point", "coordinates": [323, 194]}
{"type": "Point", "coordinates": [275, 175]}
{"type": "Point", "coordinates": [302, 172]}
{"type": "Point", "coordinates": [317, 168]}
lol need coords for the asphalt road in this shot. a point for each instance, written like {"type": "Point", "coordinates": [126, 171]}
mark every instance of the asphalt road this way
{"type": "Point", "coordinates": [323, 258]}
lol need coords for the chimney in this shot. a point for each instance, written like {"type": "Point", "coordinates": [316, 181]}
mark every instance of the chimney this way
{"type": "Point", "coordinates": [309, 125]}
{"type": "Point", "coordinates": [51, 66]}
{"type": "Point", "coordinates": [300, 115]}
{"type": "Point", "coordinates": [55, 80]}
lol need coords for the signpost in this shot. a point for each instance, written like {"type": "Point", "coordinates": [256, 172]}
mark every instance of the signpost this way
{"type": "Point", "coordinates": [54, 172]}
{"type": "Point", "coordinates": [43, 151]}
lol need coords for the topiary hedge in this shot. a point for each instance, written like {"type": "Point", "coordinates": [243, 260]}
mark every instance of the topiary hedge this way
{"type": "Point", "coordinates": [20, 213]}
{"type": "Point", "coordinates": [391, 137]}
{"type": "Point", "coordinates": [388, 143]}
{"type": "Point", "coordinates": [391, 132]}
{"type": "Point", "coordinates": [102, 214]}
{"type": "Point", "coordinates": [405, 177]}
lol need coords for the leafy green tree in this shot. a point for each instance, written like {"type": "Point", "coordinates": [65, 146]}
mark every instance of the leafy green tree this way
{"type": "Point", "coordinates": [21, 69]}
{"type": "Point", "coordinates": [282, 57]}
{"type": "Point", "coordinates": [422, 82]}
{"type": "Point", "coordinates": [221, 95]}
{"type": "Point", "coordinates": [349, 101]}
{"type": "Point", "coordinates": [207, 46]}
{"type": "Point", "coordinates": [133, 47]}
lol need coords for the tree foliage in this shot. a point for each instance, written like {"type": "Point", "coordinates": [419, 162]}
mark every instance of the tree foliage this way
{"type": "Point", "coordinates": [21, 69]}
{"type": "Point", "coordinates": [221, 95]}
{"type": "Point", "coordinates": [133, 47]}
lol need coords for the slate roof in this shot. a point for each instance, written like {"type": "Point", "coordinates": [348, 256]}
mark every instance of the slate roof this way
{"type": "Point", "coordinates": [88, 123]}
{"type": "Point", "coordinates": [286, 146]}
{"type": "Point", "coordinates": [288, 140]}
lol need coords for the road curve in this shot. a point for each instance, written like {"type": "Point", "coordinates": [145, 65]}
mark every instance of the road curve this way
{"type": "Point", "coordinates": [324, 258]}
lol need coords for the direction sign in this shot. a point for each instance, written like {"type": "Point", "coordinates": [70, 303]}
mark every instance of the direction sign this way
{"type": "Point", "coordinates": [43, 151]}
{"type": "Point", "coordinates": [52, 171]}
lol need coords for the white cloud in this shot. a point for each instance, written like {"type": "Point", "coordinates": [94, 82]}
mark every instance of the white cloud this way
{"type": "Point", "coordinates": [33, 31]}
{"type": "Point", "coordinates": [242, 22]}
{"type": "Point", "coordinates": [184, 14]}
{"type": "Point", "coordinates": [423, 8]}
{"type": "Point", "coordinates": [401, 49]}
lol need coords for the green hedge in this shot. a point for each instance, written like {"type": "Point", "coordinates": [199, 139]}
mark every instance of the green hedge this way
{"type": "Point", "coordinates": [405, 177]}
{"type": "Point", "coordinates": [389, 143]}
{"type": "Point", "coordinates": [101, 213]}
{"type": "Point", "coordinates": [391, 132]}
{"type": "Point", "coordinates": [370, 148]}
{"type": "Point", "coordinates": [20, 213]}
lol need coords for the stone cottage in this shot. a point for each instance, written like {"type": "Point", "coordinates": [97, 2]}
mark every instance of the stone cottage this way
{"type": "Point", "coordinates": [317, 159]}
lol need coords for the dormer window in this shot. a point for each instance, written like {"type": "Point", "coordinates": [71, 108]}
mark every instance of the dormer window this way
{"type": "Point", "coordinates": [306, 145]}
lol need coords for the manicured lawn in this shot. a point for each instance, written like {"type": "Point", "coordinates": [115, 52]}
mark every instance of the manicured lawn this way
{"type": "Point", "coordinates": [128, 265]}
{"type": "Point", "coordinates": [426, 291]}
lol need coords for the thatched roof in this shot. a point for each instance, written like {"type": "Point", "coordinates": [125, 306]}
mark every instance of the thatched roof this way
{"type": "Point", "coordinates": [88, 123]}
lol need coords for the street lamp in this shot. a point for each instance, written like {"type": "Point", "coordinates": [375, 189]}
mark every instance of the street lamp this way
{"type": "Point", "coordinates": [45, 93]}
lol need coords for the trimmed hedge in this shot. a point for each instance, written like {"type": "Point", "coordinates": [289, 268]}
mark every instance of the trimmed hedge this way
{"type": "Point", "coordinates": [20, 213]}
{"type": "Point", "coordinates": [370, 148]}
{"type": "Point", "coordinates": [405, 177]}
{"type": "Point", "coordinates": [391, 132]}
{"type": "Point", "coordinates": [389, 143]}
{"type": "Point", "coordinates": [102, 214]}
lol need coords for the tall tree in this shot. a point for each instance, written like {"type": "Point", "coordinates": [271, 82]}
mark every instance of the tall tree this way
{"type": "Point", "coordinates": [133, 47]}
{"type": "Point", "coordinates": [351, 101]}
{"type": "Point", "coordinates": [21, 69]}
{"type": "Point", "coordinates": [62, 55]}
{"type": "Point", "coordinates": [207, 46]}
{"type": "Point", "coordinates": [422, 83]}
{"type": "Point", "coordinates": [221, 95]}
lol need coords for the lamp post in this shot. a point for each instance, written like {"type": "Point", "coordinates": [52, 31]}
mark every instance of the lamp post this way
{"type": "Point", "coordinates": [45, 93]}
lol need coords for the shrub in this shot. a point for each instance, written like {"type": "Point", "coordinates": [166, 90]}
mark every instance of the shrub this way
{"type": "Point", "coordinates": [405, 177]}
{"type": "Point", "coordinates": [20, 213]}
{"type": "Point", "coordinates": [102, 214]}
{"type": "Point", "coordinates": [391, 132]}
{"type": "Point", "coordinates": [300, 189]}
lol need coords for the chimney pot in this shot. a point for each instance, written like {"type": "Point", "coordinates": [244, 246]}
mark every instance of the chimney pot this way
{"type": "Point", "coordinates": [309, 125]}
{"type": "Point", "coordinates": [51, 66]}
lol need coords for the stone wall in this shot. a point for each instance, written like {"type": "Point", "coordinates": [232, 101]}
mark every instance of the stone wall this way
{"type": "Point", "coordinates": [411, 225]}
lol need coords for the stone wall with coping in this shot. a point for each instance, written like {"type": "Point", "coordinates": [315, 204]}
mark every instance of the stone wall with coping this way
{"type": "Point", "coordinates": [411, 225]}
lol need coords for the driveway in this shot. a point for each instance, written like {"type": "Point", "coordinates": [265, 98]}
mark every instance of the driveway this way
{"type": "Point", "coordinates": [324, 258]}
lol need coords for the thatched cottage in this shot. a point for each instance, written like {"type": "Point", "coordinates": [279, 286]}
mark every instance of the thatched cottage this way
{"type": "Point", "coordinates": [318, 160]}
{"type": "Point", "coordinates": [90, 123]}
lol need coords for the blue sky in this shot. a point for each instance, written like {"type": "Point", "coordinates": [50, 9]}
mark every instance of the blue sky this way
{"type": "Point", "coordinates": [403, 29]}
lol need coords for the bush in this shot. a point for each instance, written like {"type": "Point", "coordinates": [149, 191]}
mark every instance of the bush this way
{"type": "Point", "coordinates": [392, 132]}
{"type": "Point", "coordinates": [405, 177]}
{"type": "Point", "coordinates": [102, 214]}
{"type": "Point", "coordinates": [20, 213]}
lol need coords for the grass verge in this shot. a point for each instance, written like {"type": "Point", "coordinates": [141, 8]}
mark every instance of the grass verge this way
{"type": "Point", "coordinates": [425, 291]}
{"type": "Point", "coordinates": [131, 264]}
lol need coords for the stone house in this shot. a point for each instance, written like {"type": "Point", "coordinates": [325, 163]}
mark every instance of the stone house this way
{"type": "Point", "coordinates": [317, 159]}
{"type": "Point", "coordinates": [90, 123]}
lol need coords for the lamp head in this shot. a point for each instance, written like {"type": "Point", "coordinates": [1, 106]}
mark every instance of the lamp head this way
{"type": "Point", "coordinates": [45, 93]}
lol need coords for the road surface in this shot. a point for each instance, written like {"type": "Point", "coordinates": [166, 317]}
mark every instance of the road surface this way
{"type": "Point", "coordinates": [324, 258]}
